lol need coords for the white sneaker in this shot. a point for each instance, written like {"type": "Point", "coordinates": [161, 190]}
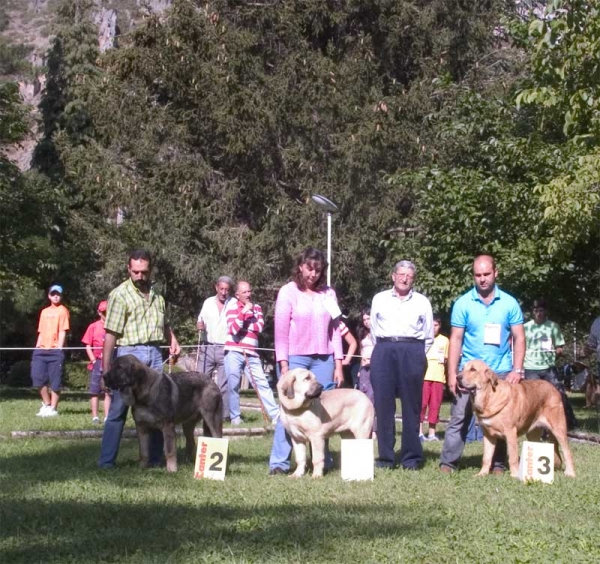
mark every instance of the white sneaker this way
{"type": "Point", "coordinates": [96, 420]}
{"type": "Point", "coordinates": [50, 412]}
{"type": "Point", "coordinates": [43, 410]}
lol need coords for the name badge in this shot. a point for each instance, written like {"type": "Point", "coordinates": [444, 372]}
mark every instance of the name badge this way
{"type": "Point", "coordinates": [492, 333]}
{"type": "Point", "coordinates": [546, 344]}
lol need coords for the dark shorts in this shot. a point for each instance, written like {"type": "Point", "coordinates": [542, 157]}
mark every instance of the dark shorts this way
{"type": "Point", "coordinates": [47, 368]}
{"type": "Point", "coordinates": [95, 378]}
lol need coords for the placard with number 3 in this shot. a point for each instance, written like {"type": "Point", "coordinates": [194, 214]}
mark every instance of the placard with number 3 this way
{"type": "Point", "coordinates": [211, 458]}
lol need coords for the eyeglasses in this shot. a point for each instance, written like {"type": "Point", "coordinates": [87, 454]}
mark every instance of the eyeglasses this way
{"type": "Point", "coordinates": [404, 275]}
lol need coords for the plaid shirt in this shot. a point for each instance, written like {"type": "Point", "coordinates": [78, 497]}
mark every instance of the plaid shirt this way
{"type": "Point", "coordinates": [137, 320]}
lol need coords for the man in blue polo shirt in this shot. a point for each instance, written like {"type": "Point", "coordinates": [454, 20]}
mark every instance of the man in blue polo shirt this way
{"type": "Point", "coordinates": [483, 321]}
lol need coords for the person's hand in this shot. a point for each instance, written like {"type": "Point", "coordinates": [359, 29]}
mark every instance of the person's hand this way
{"type": "Point", "coordinates": [283, 368]}
{"type": "Point", "coordinates": [338, 376]}
{"type": "Point", "coordinates": [174, 349]}
{"type": "Point", "coordinates": [200, 325]}
{"type": "Point", "coordinates": [514, 377]}
{"type": "Point", "coordinates": [452, 381]}
{"type": "Point", "coordinates": [346, 361]}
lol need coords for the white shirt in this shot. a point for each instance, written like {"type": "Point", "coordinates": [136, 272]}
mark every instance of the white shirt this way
{"type": "Point", "coordinates": [394, 316]}
{"type": "Point", "coordinates": [215, 322]}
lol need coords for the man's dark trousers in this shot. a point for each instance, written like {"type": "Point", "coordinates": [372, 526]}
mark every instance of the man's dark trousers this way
{"type": "Point", "coordinates": [397, 370]}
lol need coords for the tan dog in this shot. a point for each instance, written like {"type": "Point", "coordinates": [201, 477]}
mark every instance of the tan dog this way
{"type": "Point", "coordinates": [507, 410]}
{"type": "Point", "coordinates": [311, 415]}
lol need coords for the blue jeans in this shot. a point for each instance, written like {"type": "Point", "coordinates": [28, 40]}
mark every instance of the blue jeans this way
{"type": "Point", "coordinates": [234, 364]}
{"type": "Point", "coordinates": [457, 429]}
{"type": "Point", "coordinates": [322, 366]}
{"type": "Point", "coordinates": [115, 422]}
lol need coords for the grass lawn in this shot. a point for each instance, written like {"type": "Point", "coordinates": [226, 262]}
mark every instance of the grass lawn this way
{"type": "Point", "coordinates": [56, 506]}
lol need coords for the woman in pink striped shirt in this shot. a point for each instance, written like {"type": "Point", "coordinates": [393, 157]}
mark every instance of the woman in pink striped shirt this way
{"type": "Point", "coordinates": [306, 336]}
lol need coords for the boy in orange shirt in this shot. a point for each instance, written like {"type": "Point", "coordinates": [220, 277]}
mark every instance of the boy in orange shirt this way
{"type": "Point", "coordinates": [48, 358]}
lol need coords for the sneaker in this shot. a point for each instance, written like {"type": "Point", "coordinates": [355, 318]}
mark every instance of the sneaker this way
{"type": "Point", "coordinates": [422, 438]}
{"type": "Point", "coordinates": [431, 438]}
{"type": "Point", "coordinates": [50, 412]}
{"type": "Point", "coordinates": [95, 420]}
{"type": "Point", "coordinates": [43, 410]}
{"type": "Point", "coordinates": [236, 421]}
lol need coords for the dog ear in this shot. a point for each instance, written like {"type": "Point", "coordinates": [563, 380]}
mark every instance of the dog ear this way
{"type": "Point", "coordinates": [492, 378]}
{"type": "Point", "coordinates": [286, 385]}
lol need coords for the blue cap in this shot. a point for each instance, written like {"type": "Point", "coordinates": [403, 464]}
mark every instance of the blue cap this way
{"type": "Point", "coordinates": [55, 288]}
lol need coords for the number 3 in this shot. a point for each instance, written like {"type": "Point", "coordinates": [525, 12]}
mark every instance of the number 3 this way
{"type": "Point", "coordinates": [545, 465]}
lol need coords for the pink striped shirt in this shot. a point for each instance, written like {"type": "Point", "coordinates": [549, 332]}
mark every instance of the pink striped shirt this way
{"type": "Point", "coordinates": [303, 326]}
{"type": "Point", "coordinates": [243, 328]}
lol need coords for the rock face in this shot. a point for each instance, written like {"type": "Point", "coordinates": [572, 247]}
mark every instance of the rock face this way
{"type": "Point", "coordinates": [106, 21]}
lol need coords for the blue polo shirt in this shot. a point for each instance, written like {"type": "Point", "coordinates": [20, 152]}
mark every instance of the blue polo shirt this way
{"type": "Point", "coordinates": [470, 313]}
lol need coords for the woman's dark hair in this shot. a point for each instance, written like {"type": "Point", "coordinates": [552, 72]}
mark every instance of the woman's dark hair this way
{"type": "Point", "coordinates": [310, 255]}
{"type": "Point", "coordinates": [362, 330]}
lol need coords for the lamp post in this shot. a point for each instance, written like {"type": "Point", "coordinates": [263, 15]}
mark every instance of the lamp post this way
{"type": "Point", "coordinates": [327, 206]}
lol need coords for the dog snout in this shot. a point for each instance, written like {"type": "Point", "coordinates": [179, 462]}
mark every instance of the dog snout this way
{"type": "Point", "coordinates": [314, 391]}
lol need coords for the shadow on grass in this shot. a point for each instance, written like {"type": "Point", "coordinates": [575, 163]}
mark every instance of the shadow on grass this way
{"type": "Point", "coordinates": [164, 517]}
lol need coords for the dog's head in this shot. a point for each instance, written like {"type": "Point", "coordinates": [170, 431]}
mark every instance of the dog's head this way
{"type": "Point", "coordinates": [125, 372]}
{"type": "Point", "coordinates": [477, 375]}
{"type": "Point", "coordinates": [297, 388]}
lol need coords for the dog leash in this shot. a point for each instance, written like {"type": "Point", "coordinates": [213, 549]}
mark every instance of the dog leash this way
{"type": "Point", "coordinates": [262, 407]}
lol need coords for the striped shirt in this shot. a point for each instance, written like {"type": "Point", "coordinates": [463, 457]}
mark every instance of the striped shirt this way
{"type": "Point", "coordinates": [137, 320]}
{"type": "Point", "coordinates": [303, 326]}
{"type": "Point", "coordinates": [243, 328]}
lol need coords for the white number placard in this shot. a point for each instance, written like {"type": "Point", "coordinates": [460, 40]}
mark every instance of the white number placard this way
{"type": "Point", "coordinates": [358, 459]}
{"type": "Point", "coordinates": [537, 462]}
{"type": "Point", "coordinates": [211, 458]}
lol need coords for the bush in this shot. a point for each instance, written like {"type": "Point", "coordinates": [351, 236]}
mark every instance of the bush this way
{"type": "Point", "coordinates": [19, 374]}
{"type": "Point", "coordinates": [76, 376]}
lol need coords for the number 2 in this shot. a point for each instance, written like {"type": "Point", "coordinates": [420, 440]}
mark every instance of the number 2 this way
{"type": "Point", "coordinates": [218, 458]}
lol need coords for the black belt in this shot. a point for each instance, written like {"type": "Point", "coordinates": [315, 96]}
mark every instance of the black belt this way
{"type": "Point", "coordinates": [400, 340]}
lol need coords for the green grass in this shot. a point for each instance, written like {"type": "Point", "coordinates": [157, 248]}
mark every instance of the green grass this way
{"type": "Point", "coordinates": [56, 506]}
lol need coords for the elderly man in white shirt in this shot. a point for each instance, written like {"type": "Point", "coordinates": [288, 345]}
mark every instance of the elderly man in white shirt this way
{"type": "Point", "coordinates": [402, 328]}
{"type": "Point", "coordinates": [213, 321]}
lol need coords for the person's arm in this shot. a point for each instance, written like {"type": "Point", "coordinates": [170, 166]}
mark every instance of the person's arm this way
{"type": "Point", "coordinates": [62, 335]}
{"type": "Point", "coordinates": [283, 318]}
{"type": "Point", "coordinates": [518, 337]}
{"type": "Point", "coordinates": [428, 326]}
{"type": "Point", "coordinates": [90, 352]}
{"type": "Point", "coordinates": [64, 326]}
{"type": "Point", "coordinates": [454, 353]}
{"type": "Point", "coordinates": [110, 341]}
{"type": "Point", "coordinates": [174, 348]}
{"type": "Point", "coordinates": [352, 346]}
{"type": "Point", "coordinates": [338, 373]}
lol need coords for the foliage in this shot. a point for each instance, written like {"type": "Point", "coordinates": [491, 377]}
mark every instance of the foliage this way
{"type": "Point", "coordinates": [13, 57]}
{"type": "Point", "coordinates": [19, 374]}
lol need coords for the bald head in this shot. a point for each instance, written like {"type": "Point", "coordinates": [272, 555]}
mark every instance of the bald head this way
{"type": "Point", "coordinates": [485, 274]}
{"type": "Point", "coordinates": [243, 291]}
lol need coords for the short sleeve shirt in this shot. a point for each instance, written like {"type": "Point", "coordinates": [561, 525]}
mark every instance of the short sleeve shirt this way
{"type": "Point", "coordinates": [541, 342]}
{"type": "Point", "coordinates": [53, 320]}
{"type": "Point", "coordinates": [94, 337]}
{"type": "Point", "coordinates": [487, 328]}
{"type": "Point", "coordinates": [436, 359]}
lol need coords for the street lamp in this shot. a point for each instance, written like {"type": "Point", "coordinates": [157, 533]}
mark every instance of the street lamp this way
{"type": "Point", "coordinates": [327, 206]}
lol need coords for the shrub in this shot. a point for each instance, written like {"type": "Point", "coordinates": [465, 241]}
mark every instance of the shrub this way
{"type": "Point", "coordinates": [76, 375]}
{"type": "Point", "coordinates": [19, 374]}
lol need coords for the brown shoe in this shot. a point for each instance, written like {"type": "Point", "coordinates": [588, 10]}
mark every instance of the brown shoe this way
{"type": "Point", "coordinates": [446, 469]}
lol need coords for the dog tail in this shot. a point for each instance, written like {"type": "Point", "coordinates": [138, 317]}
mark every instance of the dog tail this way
{"type": "Point", "coordinates": [212, 422]}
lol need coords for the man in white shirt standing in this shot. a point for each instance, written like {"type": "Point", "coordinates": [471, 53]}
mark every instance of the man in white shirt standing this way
{"type": "Point", "coordinates": [402, 328]}
{"type": "Point", "coordinates": [213, 321]}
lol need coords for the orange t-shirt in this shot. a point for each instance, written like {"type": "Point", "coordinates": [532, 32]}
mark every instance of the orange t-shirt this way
{"type": "Point", "coordinates": [53, 319]}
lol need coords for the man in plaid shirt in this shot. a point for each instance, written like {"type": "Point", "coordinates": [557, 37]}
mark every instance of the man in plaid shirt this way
{"type": "Point", "coordinates": [135, 324]}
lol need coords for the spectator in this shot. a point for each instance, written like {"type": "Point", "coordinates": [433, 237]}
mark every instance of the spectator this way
{"type": "Point", "coordinates": [93, 339]}
{"type": "Point", "coordinates": [213, 321]}
{"type": "Point", "coordinates": [307, 336]}
{"type": "Point", "coordinates": [350, 345]}
{"type": "Point", "coordinates": [402, 327]}
{"type": "Point", "coordinates": [544, 342]}
{"type": "Point", "coordinates": [593, 342]}
{"type": "Point", "coordinates": [366, 350]}
{"type": "Point", "coordinates": [245, 322]}
{"type": "Point", "coordinates": [435, 381]}
{"type": "Point", "coordinates": [135, 323]}
{"type": "Point", "coordinates": [49, 357]}
{"type": "Point", "coordinates": [484, 320]}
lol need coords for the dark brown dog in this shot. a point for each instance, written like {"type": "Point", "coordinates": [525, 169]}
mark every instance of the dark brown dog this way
{"type": "Point", "coordinates": [160, 401]}
{"type": "Point", "coordinates": [507, 410]}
